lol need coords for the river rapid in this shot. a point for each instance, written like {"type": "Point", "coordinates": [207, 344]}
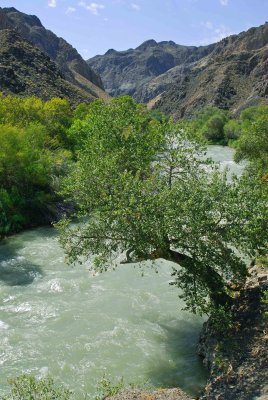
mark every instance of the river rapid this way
{"type": "Point", "coordinates": [78, 327]}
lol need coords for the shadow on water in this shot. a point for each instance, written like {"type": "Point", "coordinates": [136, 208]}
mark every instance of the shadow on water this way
{"type": "Point", "coordinates": [19, 273]}
{"type": "Point", "coordinates": [182, 367]}
{"type": "Point", "coordinates": [15, 270]}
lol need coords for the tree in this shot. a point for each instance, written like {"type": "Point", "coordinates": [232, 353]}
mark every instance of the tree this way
{"type": "Point", "coordinates": [143, 188]}
{"type": "Point", "coordinates": [232, 129]}
{"type": "Point", "coordinates": [209, 123]}
{"type": "Point", "coordinates": [28, 170]}
{"type": "Point", "coordinates": [34, 151]}
{"type": "Point", "coordinates": [253, 142]}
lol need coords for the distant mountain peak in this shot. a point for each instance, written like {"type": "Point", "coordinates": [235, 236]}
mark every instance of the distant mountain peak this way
{"type": "Point", "coordinates": [110, 51]}
{"type": "Point", "coordinates": [129, 72]}
{"type": "Point", "coordinates": [146, 44]}
{"type": "Point", "coordinates": [31, 20]}
{"type": "Point", "coordinates": [9, 9]}
{"type": "Point", "coordinates": [229, 74]}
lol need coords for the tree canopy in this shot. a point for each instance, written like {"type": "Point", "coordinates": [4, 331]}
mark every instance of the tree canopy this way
{"type": "Point", "coordinates": [144, 188]}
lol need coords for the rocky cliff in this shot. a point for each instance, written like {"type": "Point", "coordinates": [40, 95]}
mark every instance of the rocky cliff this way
{"type": "Point", "coordinates": [71, 65]}
{"type": "Point", "coordinates": [238, 359]}
{"type": "Point", "coordinates": [233, 76]}
{"type": "Point", "coordinates": [26, 70]}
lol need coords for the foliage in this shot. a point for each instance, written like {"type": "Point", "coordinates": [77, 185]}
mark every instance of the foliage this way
{"type": "Point", "coordinates": [253, 143]}
{"type": "Point", "coordinates": [26, 387]}
{"type": "Point", "coordinates": [253, 146]}
{"type": "Point", "coordinates": [265, 301]}
{"type": "Point", "coordinates": [34, 153]}
{"type": "Point", "coordinates": [222, 321]}
{"type": "Point", "coordinates": [209, 123]}
{"type": "Point", "coordinates": [232, 129]}
{"type": "Point", "coordinates": [54, 115]}
{"type": "Point", "coordinates": [143, 188]}
{"type": "Point", "coordinates": [107, 388]}
{"type": "Point", "coordinates": [141, 185]}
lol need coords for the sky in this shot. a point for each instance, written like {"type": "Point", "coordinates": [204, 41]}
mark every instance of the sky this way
{"type": "Point", "coordinates": [93, 27]}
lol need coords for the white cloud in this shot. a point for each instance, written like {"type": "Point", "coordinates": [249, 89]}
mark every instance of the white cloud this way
{"type": "Point", "coordinates": [94, 8]}
{"type": "Point", "coordinates": [217, 33]}
{"type": "Point", "coordinates": [208, 24]}
{"type": "Point", "coordinates": [135, 6]}
{"type": "Point", "coordinates": [85, 54]}
{"type": "Point", "coordinates": [70, 10]}
{"type": "Point", "coordinates": [224, 2]}
{"type": "Point", "coordinates": [52, 3]}
{"type": "Point", "coordinates": [221, 32]}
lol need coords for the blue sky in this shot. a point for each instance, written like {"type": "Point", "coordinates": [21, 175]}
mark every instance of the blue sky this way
{"type": "Point", "coordinates": [94, 26]}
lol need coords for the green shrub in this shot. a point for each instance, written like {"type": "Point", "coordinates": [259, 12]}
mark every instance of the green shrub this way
{"type": "Point", "coordinates": [108, 388]}
{"type": "Point", "coordinates": [232, 130]}
{"type": "Point", "coordinates": [27, 387]}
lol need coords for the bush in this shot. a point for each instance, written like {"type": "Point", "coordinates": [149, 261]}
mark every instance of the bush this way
{"type": "Point", "coordinates": [232, 130]}
{"type": "Point", "coordinates": [27, 387]}
{"type": "Point", "coordinates": [108, 388]}
{"type": "Point", "coordinates": [213, 129]}
{"type": "Point", "coordinates": [209, 124]}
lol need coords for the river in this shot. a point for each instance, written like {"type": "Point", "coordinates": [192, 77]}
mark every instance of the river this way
{"type": "Point", "coordinates": [79, 327]}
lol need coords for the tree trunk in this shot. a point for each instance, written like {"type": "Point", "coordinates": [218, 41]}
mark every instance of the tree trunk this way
{"type": "Point", "coordinates": [207, 275]}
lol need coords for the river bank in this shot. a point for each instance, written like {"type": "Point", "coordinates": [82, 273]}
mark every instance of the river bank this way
{"type": "Point", "coordinates": [238, 362]}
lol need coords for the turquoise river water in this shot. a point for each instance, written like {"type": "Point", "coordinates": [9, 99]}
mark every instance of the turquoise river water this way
{"type": "Point", "coordinates": [79, 327]}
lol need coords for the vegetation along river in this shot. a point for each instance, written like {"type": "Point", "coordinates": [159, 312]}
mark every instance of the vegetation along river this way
{"type": "Point", "coordinates": [63, 320]}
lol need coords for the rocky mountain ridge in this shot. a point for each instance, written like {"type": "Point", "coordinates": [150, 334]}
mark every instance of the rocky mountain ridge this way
{"type": "Point", "coordinates": [233, 76]}
{"type": "Point", "coordinates": [25, 70]}
{"type": "Point", "coordinates": [71, 65]}
{"type": "Point", "coordinates": [179, 80]}
{"type": "Point", "coordinates": [130, 72]}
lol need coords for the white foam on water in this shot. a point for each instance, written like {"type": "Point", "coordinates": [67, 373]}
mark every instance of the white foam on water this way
{"type": "Point", "coordinates": [23, 308]}
{"type": "Point", "coordinates": [55, 286]}
{"type": "Point", "coordinates": [9, 298]}
{"type": "Point", "coordinates": [43, 371]}
{"type": "Point", "coordinates": [3, 325]}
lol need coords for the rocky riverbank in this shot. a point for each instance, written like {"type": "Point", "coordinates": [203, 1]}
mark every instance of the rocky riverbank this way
{"type": "Point", "coordinates": [238, 361]}
{"type": "Point", "coordinates": [161, 394]}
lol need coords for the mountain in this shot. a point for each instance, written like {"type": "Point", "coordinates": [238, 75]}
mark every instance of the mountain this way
{"type": "Point", "coordinates": [233, 76]}
{"type": "Point", "coordinates": [132, 72]}
{"type": "Point", "coordinates": [26, 70]}
{"type": "Point", "coordinates": [71, 65]}
{"type": "Point", "coordinates": [179, 80]}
